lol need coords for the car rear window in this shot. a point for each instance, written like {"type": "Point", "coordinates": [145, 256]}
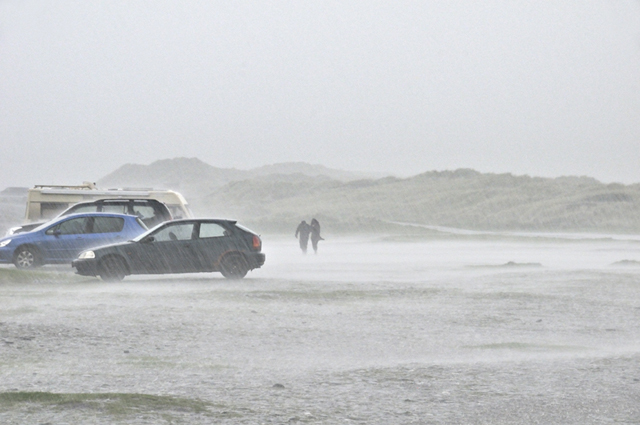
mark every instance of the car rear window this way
{"type": "Point", "coordinates": [108, 224]}
{"type": "Point", "coordinates": [212, 230]}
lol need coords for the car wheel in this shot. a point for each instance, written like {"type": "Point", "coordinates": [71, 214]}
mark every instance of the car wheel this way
{"type": "Point", "coordinates": [112, 269]}
{"type": "Point", "coordinates": [234, 266]}
{"type": "Point", "coordinates": [26, 257]}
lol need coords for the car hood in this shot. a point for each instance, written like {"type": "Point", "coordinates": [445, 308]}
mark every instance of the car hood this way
{"type": "Point", "coordinates": [18, 237]}
{"type": "Point", "coordinates": [111, 246]}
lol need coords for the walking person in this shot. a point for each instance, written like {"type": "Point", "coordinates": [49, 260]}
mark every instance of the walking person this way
{"type": "Point", "coordinates": [315, 235]}
{"type": "Point", "coordinates": [303, 230]}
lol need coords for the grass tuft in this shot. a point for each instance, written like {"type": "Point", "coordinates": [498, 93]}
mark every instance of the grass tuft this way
{"type": "Point", "coordinates": [11, 275]}
{"type": "Point", "coordinates": [106, 403]}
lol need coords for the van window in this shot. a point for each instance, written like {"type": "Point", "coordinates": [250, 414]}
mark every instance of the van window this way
{"type": "Point", "coordinates": [177, 212]}
{"type": "Point", "coordinates": [107, 224]}
{"type": "Point", "coordinates": [52, 209]}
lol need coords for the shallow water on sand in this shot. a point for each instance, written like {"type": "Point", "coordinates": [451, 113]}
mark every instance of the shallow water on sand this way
{"type": "Point", "coordinates": [493, 330]}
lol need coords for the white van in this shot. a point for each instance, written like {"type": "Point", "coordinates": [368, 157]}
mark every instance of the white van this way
{"type": "Point", "coordinates": [44, 202]}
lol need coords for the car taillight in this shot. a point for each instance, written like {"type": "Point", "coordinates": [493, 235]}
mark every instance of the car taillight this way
{"type": "Point", "coordinates": [257, 243]}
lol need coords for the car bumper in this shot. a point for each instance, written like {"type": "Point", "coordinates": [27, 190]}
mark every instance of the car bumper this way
{"type": "Point", "coordinates": [88, 267]}
{"type": "Point", "coordinates": [6, 255]}
{"type": "Point", "coordinates": [256, 260]}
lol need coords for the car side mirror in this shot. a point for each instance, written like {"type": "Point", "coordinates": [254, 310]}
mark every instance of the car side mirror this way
{"type": "Point", "coordinates": [56, 233]}
{"type": "Point", "coordinates": [149, 239]}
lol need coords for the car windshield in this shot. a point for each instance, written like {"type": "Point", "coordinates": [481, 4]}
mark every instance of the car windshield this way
{"type": "Point", "coordinates": [142, 236]}
{"type": "Point", "coordinates": [148, 232]}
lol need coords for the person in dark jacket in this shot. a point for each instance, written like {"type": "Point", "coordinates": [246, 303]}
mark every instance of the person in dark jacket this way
{"type": "Point", "coordinates": [315, 235]}
{"type": "Point", "coordinates": [303, 230]}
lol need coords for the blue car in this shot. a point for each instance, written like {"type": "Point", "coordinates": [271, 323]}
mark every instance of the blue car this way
{"type": "Point", "coordinates": [61, 240]}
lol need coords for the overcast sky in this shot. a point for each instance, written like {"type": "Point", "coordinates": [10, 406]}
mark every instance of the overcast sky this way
{"type": "Point", "coordinates": [544, 88]}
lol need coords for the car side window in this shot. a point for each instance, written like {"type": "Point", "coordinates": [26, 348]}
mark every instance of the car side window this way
{"type": "Point", "coordinates": [70, 227]}
{"type": "Point", "coordinates": [212, 230]}
{"type": "Point", "coordinates": [108, 224]}
{"type": "Point", "coordinates": [175, 232]}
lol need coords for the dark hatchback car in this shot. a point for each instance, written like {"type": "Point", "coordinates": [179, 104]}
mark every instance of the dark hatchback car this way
{"type": "Point", "coordinates": [180, 246]}
{"type": "Point", "coordinates": [151, 211]}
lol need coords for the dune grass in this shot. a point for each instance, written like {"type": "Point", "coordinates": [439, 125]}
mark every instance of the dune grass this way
{"type": "Point", "coordinates": [116, 404]}
{"type": "Point", "coordinates": [13, 275]}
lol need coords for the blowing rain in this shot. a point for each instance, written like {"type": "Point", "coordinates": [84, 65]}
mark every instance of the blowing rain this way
{"type": "Point", "coordinates": [244, 213]}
